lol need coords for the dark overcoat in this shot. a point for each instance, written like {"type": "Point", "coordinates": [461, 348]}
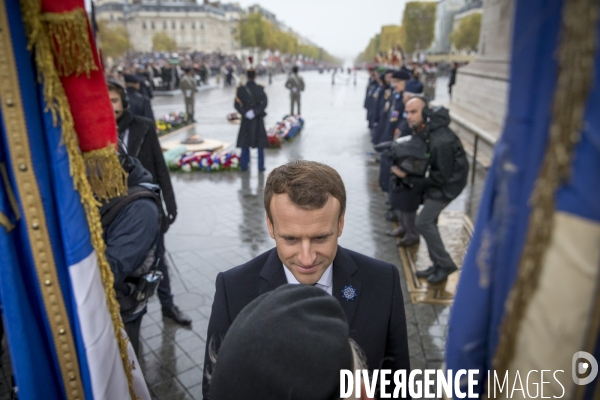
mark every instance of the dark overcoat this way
{"type": "Point", "coordinates": [376, 315]}
{"type": "Point", "coordinates": [252, 132]}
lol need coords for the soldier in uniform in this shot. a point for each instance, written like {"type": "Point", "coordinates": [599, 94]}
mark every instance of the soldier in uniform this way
{"type": "Point", "coordinates": [295, 84]}
{"type": "Point", "coordinates": [251, 103]}
{"type": "Point", "coordinates": [188, 87]}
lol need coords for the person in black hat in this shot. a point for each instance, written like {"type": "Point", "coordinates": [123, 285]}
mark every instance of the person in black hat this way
{"type": "Point", "coordinates": [138, 103]}
{"type": "Point", "coordinates": [290, 343]}
{"type": "Point", "coordinates": [251, 102]}
{"type": "Point", "coordinates": [305, 203]}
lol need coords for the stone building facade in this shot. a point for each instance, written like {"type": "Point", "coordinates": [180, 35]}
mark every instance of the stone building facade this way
{"type": "Point", "coordinates": [206, 27]}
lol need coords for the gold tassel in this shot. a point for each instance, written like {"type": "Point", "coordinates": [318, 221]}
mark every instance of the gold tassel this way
{"type": "Point", "coordinates": [70, 42]}
{"type": "Point", "coordinates": [105, 173]}
{"type": "Point", "coordinates": [39, 41]}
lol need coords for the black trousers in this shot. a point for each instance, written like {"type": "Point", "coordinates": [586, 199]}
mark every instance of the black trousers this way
{"type": "Point", "coordinates": [164, 287]}
{"type": "Point", "coordinates": [133, 332]}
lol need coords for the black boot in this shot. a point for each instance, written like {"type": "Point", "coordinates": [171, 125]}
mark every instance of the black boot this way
{"type": "Point", "coordinates": [400, 230]}
{"type": "Point", "coordinates": [426, 272]}
{"type": "Point", "coordinates": [441, 274]}
{"type": "Point", "coordinates": [408, 241]}
{"type": "Point", "coordinates": [411, 237]}
{"type": "Point", "coordinates": [176, 315]}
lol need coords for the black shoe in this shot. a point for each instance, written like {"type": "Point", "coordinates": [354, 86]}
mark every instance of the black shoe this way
{"type": "Point", "coordinates": [408, 241]}
{"type": "Point", "coordinates": [391, 216]}
{"type": "Point", "coordinates": [441, 275]}
{"type": "Point", "coordinates": [398, 232]}
{"type": "Point", "coordinates": [425, 273]}
{"type": "Point", "coordinates": [176, 315]}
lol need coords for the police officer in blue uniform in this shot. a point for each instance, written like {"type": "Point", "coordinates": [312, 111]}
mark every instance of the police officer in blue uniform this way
{"type": "Point", "coordinates": [383, 107]}
{"type": "Point", "coordinates": [373, 84]}
{"type": "Point", "coordinates": [394, 117]}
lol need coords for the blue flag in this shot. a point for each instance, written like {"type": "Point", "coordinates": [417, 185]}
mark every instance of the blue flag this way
{"type": "Point", "coordinates": [59, 330]}
{"type": "Point", "coordinates": [559, 317]}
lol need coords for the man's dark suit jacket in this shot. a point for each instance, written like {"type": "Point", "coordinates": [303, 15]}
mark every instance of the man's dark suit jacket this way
{"type": "Point", "coordinates": [376, 315]}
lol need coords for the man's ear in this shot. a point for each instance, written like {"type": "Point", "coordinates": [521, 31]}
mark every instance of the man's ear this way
{"type": "Point", "coordinates": [341, 224]}
{"type": "Point", "coordinates": [270, 227]}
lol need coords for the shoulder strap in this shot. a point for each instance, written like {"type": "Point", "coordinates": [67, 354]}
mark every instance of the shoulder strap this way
{"type": "Point", "coordinates": [250, 94]}
{"type": "Point", "coordinates": [135, 193]}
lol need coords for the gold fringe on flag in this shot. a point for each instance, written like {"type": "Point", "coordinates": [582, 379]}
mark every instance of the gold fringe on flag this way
{"type": "Point", "coordinates": [575, 55]}
{"type": "Point", "coordinates": [103, 168]}
{"type": "Point", "coordinates": [40, 43]}
{"type": "Point", "coordinates": [70, 42]}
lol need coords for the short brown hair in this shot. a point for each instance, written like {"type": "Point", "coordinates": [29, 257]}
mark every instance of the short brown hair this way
{"type": "Point", "coordinates": [308, 184]}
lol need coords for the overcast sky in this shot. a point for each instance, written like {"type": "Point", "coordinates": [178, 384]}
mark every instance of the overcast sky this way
{"type": "Point", "coordinates": [342, 27]}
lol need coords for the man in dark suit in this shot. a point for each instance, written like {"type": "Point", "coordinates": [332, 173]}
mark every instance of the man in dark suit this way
{"type": "Point", "coordinates": [305, 203]}
{"type": "Point", "coordinates": [138, 138]}
{"type": "Point", "coordinates": [251, 103]}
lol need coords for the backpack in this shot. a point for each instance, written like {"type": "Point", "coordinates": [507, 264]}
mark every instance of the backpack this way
{"type": "Point", "coordinates": [137, 288]}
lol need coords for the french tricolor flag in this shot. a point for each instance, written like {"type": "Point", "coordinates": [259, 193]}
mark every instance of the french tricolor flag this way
{"type": "Point", "coordinates": [59, 330]}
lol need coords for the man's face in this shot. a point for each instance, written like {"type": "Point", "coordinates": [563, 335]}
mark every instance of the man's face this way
{"type": "Point", "coordinates": [414, 110]}
{"type": "Point", "coordinates": [388, 78]}
{"type": "Point", "coordinates": [117, 103]}
{"type": "Point", "coordinates": [398, 85]}
{"type": "Point", "coordinates": [306, 240]}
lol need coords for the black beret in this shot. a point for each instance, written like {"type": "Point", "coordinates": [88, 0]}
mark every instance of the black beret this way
{"type": "Point", "coordinates": [414, 86]}
{"type": "Point", "coordinates": [290, 343]}
{"type": "Point", "coordinates": [131, 78]}
{"type": "Point", "coordinates": [402, 75]}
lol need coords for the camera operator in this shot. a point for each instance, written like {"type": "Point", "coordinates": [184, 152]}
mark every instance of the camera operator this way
{"type": "Point", "coordinates": [405, 199]}
{"type": "Point", "coordinates": [448, 171]}
{"type": "Point", "coordinates": [132, 233]}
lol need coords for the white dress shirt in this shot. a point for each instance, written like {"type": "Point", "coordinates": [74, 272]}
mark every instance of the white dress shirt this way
{"type": "Point", "coordinates": [325, 283]}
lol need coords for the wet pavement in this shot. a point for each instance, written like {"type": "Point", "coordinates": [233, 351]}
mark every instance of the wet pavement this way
{"type": "Point", "coordinates": [221, 222]}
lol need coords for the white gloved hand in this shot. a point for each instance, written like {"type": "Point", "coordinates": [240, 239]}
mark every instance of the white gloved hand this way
{"type": "Point", "coordinates": [250, 114]}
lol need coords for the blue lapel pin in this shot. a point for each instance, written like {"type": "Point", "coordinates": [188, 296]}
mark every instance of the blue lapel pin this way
{"type": "Point", "coordinates": [349, 293]}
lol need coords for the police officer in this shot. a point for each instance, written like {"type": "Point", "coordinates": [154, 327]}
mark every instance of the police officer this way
{"type": "Point", "coordinates": [394, 116]}
{"type": "Point", "coordinates": [188, 87]}
{"type": "Point", "coordinates": [251, 102]}
{"type": "Point", "coordinates": [377, 105]}
{"type": "Point", "coordinates": [371, 86]}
